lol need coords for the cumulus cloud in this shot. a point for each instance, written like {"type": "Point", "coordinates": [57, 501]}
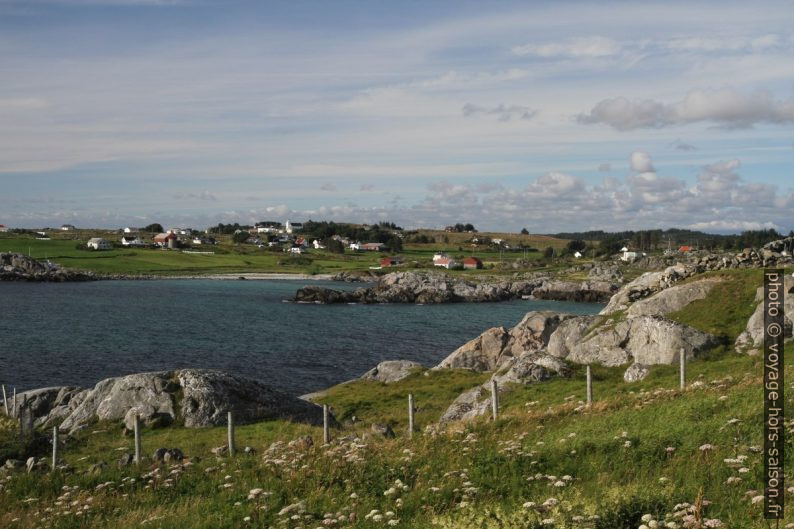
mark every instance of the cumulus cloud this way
{"type": "Point", "coordinates": [586, 47]}
{"type": "Point", "coordinates": [726, 108]}
{"type": "Point", "coordinates": [641, 162]}
{"type": "Point", "coordinates": [501, 111]}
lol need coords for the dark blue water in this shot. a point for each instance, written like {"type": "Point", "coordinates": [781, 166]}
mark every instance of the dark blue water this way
{"type": "Point", "coordinates": [80, 333]}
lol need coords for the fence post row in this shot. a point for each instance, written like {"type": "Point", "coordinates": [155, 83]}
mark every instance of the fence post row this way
{"type": "Point", "coordinates": [494, 399]}
{"type": "Point", "coordinates": [231, 433]}
{"type": "Point", "coordinates": [410, 416]}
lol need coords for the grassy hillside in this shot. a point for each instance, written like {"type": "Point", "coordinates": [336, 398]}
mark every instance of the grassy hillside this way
{"type": "Point", "coordinates": [230, 258]}
{"type": "Point", "coordinates": [549, 461]}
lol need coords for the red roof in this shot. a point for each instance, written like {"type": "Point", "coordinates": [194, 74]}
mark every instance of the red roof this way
{"type": "Point", "coordinates": [472, 260]}
{"type": "Point", "coordinates": [685, 249]}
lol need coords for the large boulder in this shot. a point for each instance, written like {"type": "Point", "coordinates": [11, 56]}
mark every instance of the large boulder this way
{"type": "Point", "coordinates": [391, 371]}
{"type": "Point", "coordinates": [568, 333]}
{"type": "Point", "coordinates": [528, 368]}
{"type": "Point", "coordinates": [646, 285]}
{"type": "Point", "coordinates": [197, 397]}
{"type": "Point", "coordinates": [672, 299]}
{"type": "Point", "coordinates": [751, 340]}
{"type": "Point", "coordinates": [593, 291]}
{"type": "Point", "coordinates": [49, 405]}
{"type": "Point", "coordinates": [649, 340]}
{"type": "Point", "coordinates": [496, 346]}
{"type": "Point", "coordinates": [483, 353]}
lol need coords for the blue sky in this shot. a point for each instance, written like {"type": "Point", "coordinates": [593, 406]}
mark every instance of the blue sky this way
{"type": "Point", "coordinates": [554, 116]}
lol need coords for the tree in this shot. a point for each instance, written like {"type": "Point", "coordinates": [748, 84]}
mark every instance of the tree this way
{"type": "Point", "coordinates": [154, 228]}
{"type": "Point", "coordinates": [576, 245]}
{"type": "Point", "coordinates": [240, 237]}
{"type": "Point", "coordinates": [395, 244]}
{"type": "Point", "coordinates": [334, 246]}
{"type": "Point", "coordinates": [524, 231]}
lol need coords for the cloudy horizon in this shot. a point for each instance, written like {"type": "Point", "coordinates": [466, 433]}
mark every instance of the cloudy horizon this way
{"type": "Point", "coordinates": [550, 117]}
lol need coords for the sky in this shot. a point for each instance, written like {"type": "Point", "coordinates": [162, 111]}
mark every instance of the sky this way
{"type": "Point", "coordinates": [551, 116]}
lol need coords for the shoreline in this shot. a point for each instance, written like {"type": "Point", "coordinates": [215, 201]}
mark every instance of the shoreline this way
{"type": "Point", "coordinates": [255, 276]}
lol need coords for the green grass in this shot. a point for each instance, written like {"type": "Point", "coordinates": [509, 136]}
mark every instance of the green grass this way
{"type": "Point", "coordinates": [636, 450]}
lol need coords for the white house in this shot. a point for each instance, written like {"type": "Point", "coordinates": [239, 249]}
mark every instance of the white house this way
{"type": "Point", "coordinates": [629, 256]}
{"type": "Point", "coordinates": [68, 227]}
{"type": "Point", "coordinates": [577, 254]}
{"type": "Point", "coordinates": [355, 246]}
{"type": "Point", "coordinates": [296, 250]}
{"type": "Point", "coordinates": [129, 229]}
{"type": "Point", "coordinates": [318, 245]}
{"type": "Point", "coordinates": [131, 240]}
{"type": "Point", "coordinates": [3, 229]}
{"type": "Point", "coordinates": [98, 244]}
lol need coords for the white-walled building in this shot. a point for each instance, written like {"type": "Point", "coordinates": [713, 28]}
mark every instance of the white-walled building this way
{"type": "Point", "coordinates": [97, 243]}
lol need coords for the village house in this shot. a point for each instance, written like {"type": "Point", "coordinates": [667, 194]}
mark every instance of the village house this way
{"type": "Point", "coordinates": [373, 247]}
{"type": "Point", "coordinates": [473, 263]}
{"type": "Point", "coordinates": [3, 229]}
{"type": "Point", "coordinates": [129, 229]}
{"type": "Point", "coordinates": [98, 243]}
{"type": "Point", "coordinates": [390, 261]}
{"type": "Point", "coordinates": [318, 245]}
{"type": "Point", "coordinates": [165, 240]}
{"type": "Point", "coordinates": [132, 240]}
{"type": "Point", "coordinates": [67, 227]}
{"type": "Point", "coordinates": [685, 249]}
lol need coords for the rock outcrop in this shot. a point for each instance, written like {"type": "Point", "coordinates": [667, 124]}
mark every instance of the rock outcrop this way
{"type": "Point", "coordinates": [751, 340]}
{"type": "Point", "coordinates": [18, 267]}
{"type": "Point", "coordinates": [646, 285]}
{"type": "Point", "coordinates": [672, 299]}
{"type": "Point", "coordinates": [648, 340]}
{"type": "Point", "coordinates": [529, 368]}
{"type": "Point", "coordinates": [196, 397]}
{"type": "Point", "coordinates": [496, 346]}
{"type": "Point", "coordinates": [416, 287]}
{"type": "Point", "coordinates": [390, 371]}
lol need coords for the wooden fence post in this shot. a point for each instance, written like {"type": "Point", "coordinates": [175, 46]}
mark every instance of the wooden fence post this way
{"type": "Point", "coordinates": [589, 385]}
{"type": "Point", "coordinates": [54, 447]}
{"type": "Point", "coordinates": [231, 433]}
{"type": "Point", "coordinates": [14, 403]}
{"type": "Point", "coordinates": [494, 399]}
{"type": "Point", "coordinates": [137, 431]}
{"type": "Point", "coordinates": [682, 368]}
{"type": "Point", "coordinates": [410, 416]}
{"type": "Point", "coordinates": [326, 426]}
{"type": "Point", "coordinates": [5, 400]}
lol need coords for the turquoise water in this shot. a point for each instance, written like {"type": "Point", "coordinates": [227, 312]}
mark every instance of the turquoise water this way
{"type": "Point", "coordinates": [80, 333]}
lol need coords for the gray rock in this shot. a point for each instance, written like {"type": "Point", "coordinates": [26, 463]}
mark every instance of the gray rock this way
{"type": "Point", "coordinates": [126, 460]}
{"type": "Point", "coordinates": [497, 346]}
{"type": "Point", "coordinates": [391, 371]}
{"type": "Point", "coordinates": [384, 430]}
{"type": "Point", "coordinates": [636, 372]}
{"type": "Point", "coordinates": [649, 340]}
{"type": "Point", "coordinates": [590, 291]}
{"type": "Point", "coordinates": [646, 285]}
{"type": "Point", "coordinates": [49, 406]}
{"type": "Point", "coordinates": [13, 464]}
{"type": "Point", "coordinates": [568, 333]}
{"type": "Point", "coordinates": [159, 454]}
{"type": "Point", "coordinates": [20, 267]}
{"type": "Point", "coordinates": [751, 340]}
{"type": "Point", "coordinates": [97, 468]}
{"type": "Point", "coordinates": [672, 299]}
{"type": "Point", "coordinates": [199, 397]}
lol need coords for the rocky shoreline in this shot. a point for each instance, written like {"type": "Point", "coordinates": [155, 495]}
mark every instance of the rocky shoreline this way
{"type": "Point", "coordinates": [426, 288]}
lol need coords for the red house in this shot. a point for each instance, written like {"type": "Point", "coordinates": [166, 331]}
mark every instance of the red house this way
{"type": "Point", "coordinates": [685, 249]}
{"type": "Point", "coordinates": [389, 261]}
{"type": "Point", "coordinates": [164, 239]}
{"type": "Point", "coordinates": [472, 263]}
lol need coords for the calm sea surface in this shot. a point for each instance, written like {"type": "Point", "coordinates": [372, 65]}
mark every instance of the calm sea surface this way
{"type": "Point", "coordinates": [80, 333]}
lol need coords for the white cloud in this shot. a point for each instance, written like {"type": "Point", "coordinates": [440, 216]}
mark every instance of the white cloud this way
{"type": "Point", "coordinates": [641, 162]}
{"type": "Point", "coordinates": [725, 107]}
{"type": "Point", "coordinates": [587, 47]}
{"type": "Point", "coordinates": [501, 111]}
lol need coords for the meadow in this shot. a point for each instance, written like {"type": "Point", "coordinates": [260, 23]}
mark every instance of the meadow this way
{"type": "Point", "coordinates": [644, 453]}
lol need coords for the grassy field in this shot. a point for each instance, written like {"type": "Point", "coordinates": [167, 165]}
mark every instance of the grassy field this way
{"type": "Point", "coordinates": [230, 258]}
{"type": "Point", "coordinates": [643, 448]}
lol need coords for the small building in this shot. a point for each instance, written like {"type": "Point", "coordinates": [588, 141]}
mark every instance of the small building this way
{"type": "Point", "coordinates": [318, 245]}
{"type": "Point", "coordinates": [629, 256]}
{"type": "Point", "coordinates": [67, 227]}
{"type": "Point", "coordinates": [448, 263]}
{"type": "Point", "coordinates": [296, 250]}
{"type": "Point", "coordinates": [3, 229]}
{"type": "Point", "coordinates": [129, 229]}
{"type": "Point", "coordinates": [472, 263]}
{"type": "Point", "coordinates": [685, 249]}
{"type": "Point", "coordinates": [390, 261]}
{"type": "Point", "coordinates": [578, 255]}
{"type": "Point", "coordinates": [165, 240]}
{"type": "Point", "coordinates": [98, 243]}
{"type": "Point", "coordinates": [372, 247]}
{"type": "Point", "coordinates": [131, 240]}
